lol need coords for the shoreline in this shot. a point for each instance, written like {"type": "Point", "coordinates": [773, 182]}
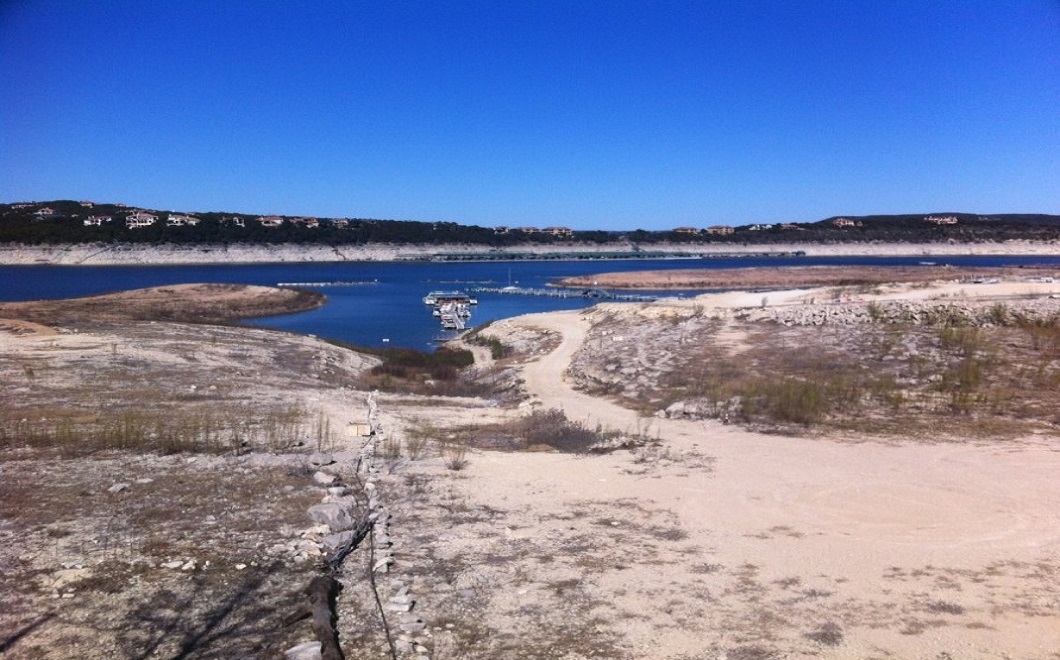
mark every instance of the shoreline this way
{"type": "Point", "coordinates": [133, 254]}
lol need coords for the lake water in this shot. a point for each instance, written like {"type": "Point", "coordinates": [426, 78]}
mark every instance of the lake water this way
{"type": "Point", "coordinates": [387, 301]}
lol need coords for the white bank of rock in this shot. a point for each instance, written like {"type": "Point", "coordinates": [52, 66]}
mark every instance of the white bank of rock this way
{"type": "Point", "coordinates": [104, 254]}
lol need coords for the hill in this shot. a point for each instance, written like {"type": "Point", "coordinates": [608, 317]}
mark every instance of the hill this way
{"type": "Point", "coordinates": [76, 222]}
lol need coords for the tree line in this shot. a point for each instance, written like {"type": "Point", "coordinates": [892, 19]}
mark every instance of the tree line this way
{"type": "Point", "coordinates": [25, 224]}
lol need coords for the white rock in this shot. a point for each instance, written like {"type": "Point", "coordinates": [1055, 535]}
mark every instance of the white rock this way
{"type": "Point", "coordinates": [304, 651]}
{"type": "Point", "coordinates": [323, 478]}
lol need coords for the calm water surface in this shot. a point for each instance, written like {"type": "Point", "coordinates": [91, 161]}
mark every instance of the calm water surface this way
{"type": "Point", "coordinates": [387, 301]}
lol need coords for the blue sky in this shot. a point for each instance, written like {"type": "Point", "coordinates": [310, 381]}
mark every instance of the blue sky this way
{"type": "Point", "coordinates": [593, 115]}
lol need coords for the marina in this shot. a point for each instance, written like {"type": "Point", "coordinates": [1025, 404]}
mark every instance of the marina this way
{"type": "Point", "coordinates": [595, 294]}
{"type": "Point", "coordinates": [452, 308]}
{"type": "Point", "coordinates": [391, 311]}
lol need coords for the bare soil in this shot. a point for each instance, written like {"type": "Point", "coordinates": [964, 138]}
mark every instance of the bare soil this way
{"type": "Point", "coordinates": [711, 540]}
{"type": "Point", "coordinates": [189, 303]}
{"type": "Point", "coordinates": [792, 276]}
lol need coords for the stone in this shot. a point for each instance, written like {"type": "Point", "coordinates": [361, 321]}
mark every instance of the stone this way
{"type": "Point", "coordinates": [320, 459]}
{"type": "Point", "coordinates": [333, 514]}
{"type": "Point", "coordinates": [414, 626]}
{"type": "Point", "coordinates": [323, 478]}
{"type": "Point", "coordinates": [335, 541]}
{"type": "Point", "coordinates": [304, 651]}
{"type": "Point", "coordinates": [117, 488]}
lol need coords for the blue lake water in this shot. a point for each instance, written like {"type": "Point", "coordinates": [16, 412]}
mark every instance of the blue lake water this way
{"type": "Point", "coordinates": [387, 304]}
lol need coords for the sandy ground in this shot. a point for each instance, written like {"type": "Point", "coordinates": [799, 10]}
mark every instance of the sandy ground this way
{"type": "Point", "coordinates": [718, 543]}
{"type": "Point", "coordinates": [910, 550]}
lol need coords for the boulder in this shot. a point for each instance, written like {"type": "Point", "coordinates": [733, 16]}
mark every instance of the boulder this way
{"type": "Point", "coordinates": [335, 515]}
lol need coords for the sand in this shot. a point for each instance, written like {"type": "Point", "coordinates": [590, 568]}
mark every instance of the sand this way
{"type": "Point", "coordinates": [912, 550]}
{"type": "Point", "coordinates": [720, 543]}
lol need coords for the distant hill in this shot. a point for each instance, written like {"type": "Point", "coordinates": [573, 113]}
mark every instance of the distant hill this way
{"type": "Point", "coordinates": [69, 221]}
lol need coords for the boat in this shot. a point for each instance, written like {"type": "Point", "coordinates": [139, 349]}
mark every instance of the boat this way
{"type": "Point", "coordinates": [436, 298]}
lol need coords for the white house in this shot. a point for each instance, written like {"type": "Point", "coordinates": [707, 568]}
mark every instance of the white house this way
{"type": "Point", "coordinates": [138, 219]}
{"type": "Point", "coordinates": [178, 220]}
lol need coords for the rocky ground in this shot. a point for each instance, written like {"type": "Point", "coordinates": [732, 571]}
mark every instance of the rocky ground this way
{"type": "Point", "coordinates": [109, 254]}
{"type": "Point", "coordinates": [170, 490]}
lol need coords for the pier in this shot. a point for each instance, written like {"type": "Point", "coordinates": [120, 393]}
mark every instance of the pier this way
{"type": "Point", "coordinates": [317, 284]}
{"type": "Point", "coordinates": [503, 255]}
{"type": "Point", "coordinates": [565, 293]}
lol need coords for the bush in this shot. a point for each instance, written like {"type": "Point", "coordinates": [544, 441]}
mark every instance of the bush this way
{"type": "Point", "coordinates": [552, 428]}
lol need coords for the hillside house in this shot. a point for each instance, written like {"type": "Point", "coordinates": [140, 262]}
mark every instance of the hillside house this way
{"type": "Point", "coordinates": [686, 230]}
{"type": "Point", "coordinates": [842, 223]}
{"type": "Point", "coordinates": [308, 223]}
{"type": "Point", "coordinates": [234, 220]}
{"type": "Point", "coordinates": [46, 212]}
{"type": "Point", "coordinates": [941, 219]}
{"type": "Point", "coordinates": [139, 219]}
{"type": "Point", "coordinates": [340, 223]}
{"type": "Point", "coordinates": [720, 230]}
{"type": "Point", "coordinates": [270, 221]}
{"type": "Point", "coordinates": [178, 220]}
{"type": "Point", "coordinates": [97, 220]}
{"type": "Point", "coordinates": [562, 232]}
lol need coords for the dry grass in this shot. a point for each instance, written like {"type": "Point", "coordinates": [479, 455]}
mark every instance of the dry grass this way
{"type": "Point", "coordinates": [983, 380]}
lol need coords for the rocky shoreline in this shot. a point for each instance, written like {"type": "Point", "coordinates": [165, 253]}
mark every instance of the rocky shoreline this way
{"type": "Point", "coordinates": [134, 254]}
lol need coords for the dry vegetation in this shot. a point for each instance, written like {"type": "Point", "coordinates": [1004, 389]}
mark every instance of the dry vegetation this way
{"type": "Point", "coordinates": [135, 522]}
{"type": "Point", "coordinates": [996, 376]}
{"type": "Point", "coordinates": [140, 517]}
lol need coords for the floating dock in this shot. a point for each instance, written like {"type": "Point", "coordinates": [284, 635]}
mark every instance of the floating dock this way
{"type": "Point", "coordinates": [565, 293]}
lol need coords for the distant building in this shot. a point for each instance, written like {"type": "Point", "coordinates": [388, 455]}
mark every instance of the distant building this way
{"type": "Point", "coordinates": [844, 222]}
{"type": "Point", "coordinates": [86, 204]}
{"type": "Point", "coordinates": [941, 219]}
{"type": "Point", "coordinates": [308, 223]}
{"type": "Point", "coordinates": [138, 219]}
{"type": "Point", "coordinates": [686, 230]}
{"type": "Point", "coordinates": [563, 232]}
{"type": "Point", "coordinates": [528, 230]}
{"type": "Point", "coordinates": [45, 212]}
{"type": "Point", "coordinates": [340, 223]}
{"type": "Point", "coordinates": [760, 227]}
{"type": "Point", "coordinates": [501, 230]}
{"type": "Point", "coordinates": [97, 220]}
{"type": "Point", "coordinates": [720, 230]}
{"type": "Point", "coordinates": [270, 221]}
{"type": "Point", "coordinates": [234, 220]}
{"type": "Point", "coordinates": [178, 220]}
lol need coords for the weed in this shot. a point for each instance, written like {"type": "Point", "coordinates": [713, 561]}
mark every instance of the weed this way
{"type": "Point", "coordinates": [944, 607]}
{"type": "Point", "coordinates": [829, 634]}
{"type": "Point", "coordinates": [455, 455]}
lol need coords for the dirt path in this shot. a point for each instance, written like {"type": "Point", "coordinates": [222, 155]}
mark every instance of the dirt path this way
{"type": "Point", "coordinates": [918, 549]}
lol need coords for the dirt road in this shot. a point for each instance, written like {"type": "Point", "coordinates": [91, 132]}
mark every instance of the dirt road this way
{"type": "Point", "coordinates": [914, 550]}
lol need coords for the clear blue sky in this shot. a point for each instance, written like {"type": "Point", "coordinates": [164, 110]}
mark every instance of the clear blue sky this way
{"type": "Point", "coordinates": [594, 115]}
